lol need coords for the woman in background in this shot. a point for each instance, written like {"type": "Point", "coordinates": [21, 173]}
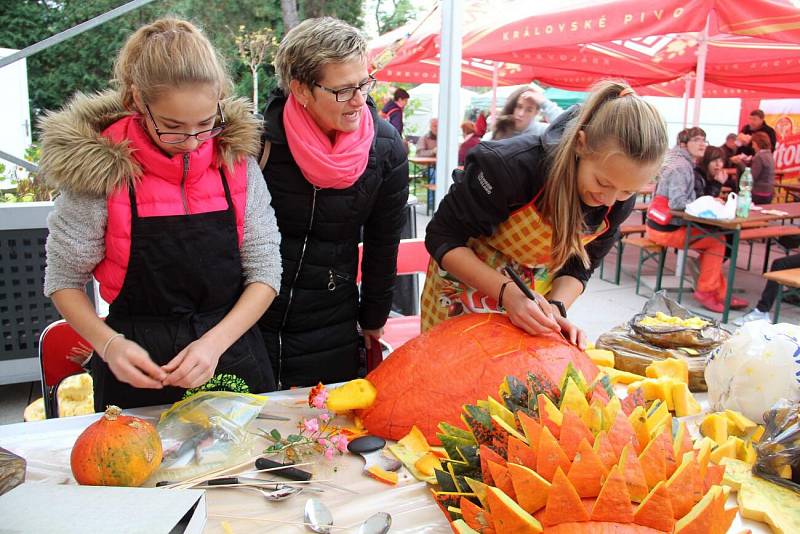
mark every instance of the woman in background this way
{"type": "Point", "coordinates": [763, 168]}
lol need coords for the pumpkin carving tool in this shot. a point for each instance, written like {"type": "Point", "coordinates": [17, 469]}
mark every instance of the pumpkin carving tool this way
{"type": "Point", "coordinates": [535, 297]}
{"type": "Point", "coordinates": [371, 448]}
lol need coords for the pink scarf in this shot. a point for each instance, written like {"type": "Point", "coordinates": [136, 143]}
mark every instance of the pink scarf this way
{"type": "Point", "coordinates": [327, 165]}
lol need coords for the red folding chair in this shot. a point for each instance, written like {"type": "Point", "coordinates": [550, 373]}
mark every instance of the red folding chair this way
{"type": "Point", "coordinates": [412, 258]}
{"type": "Point", "coordinates": [61, 352]}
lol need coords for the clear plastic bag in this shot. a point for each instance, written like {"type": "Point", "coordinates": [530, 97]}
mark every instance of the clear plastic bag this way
{"type": "Point", "coordinates": [206, 432]}
{"type": "Point", "coordinates": [755, 368]}
{"type": "Point", "coordinates": [778, 451]}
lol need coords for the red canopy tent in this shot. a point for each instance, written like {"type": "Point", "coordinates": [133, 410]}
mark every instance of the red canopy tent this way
{"type": "Point", "coordinates": [573, 43]}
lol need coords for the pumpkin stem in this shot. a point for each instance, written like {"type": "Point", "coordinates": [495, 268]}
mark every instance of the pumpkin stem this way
{"type": "Point", "coordinates": [112, 412]}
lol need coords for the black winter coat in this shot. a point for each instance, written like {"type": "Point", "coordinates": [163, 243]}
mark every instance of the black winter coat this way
{"type": "Point", "coordinates": [311, 327]}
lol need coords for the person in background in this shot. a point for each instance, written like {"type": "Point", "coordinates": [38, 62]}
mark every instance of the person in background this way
{"type": "Point", "coordinates": [470, 140]}
{"type": "Point", "coordinates": [755, 123]}
{"type": "Point", "coordinates": [480, 124]}
{"type": "Point", "coordinates": [338, 175]}
{"type": "Point", "coordinates": [676, 182]}
{"type": "Point", "coordinates": [523, 105]}
{"type": "Point", "coordinates": [393, 110]}
{"type": "Point", "coordinates": [426, 145]}
{"type": "Point", "coordinates": [770, 292]}
{"type": "Point", "coordinates": [162, 201]}
{"type": "Point", "coordinates": [729, 149]}
{"type": "Point", "coordinates": [546, 206]}
{"type": "Point", "coordinates": [733, 160]}
{"type": "Point", "coordinates": [503, 128]}
{"type": "Point", "coordinates": [763, 168]}
{"type": "Point", "coordinates": [709, 173]}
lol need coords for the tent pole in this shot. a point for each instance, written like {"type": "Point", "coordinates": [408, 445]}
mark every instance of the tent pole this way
{"type": "Point", "coordinates": [495, 76]}
{"type": "Point", "coordinates": [687, 89]}
{"type": "Point", "coordinates": [449, 96]}
{"type": "Point", "coordinates": [702, 52]}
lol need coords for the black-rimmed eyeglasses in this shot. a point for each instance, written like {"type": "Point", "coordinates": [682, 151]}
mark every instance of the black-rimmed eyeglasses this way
{"type": "Point", "coordinates": [347, 93]}
{"type": "Point", "coordinates": [174, 138]}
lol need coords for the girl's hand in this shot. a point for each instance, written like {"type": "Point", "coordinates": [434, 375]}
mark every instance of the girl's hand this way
{"type": "Point", "coordinates": [131, 364]}
{"type": "Point", "coordinates": [535, 317]}
{"type": "Point", "coordinates": [572, 333]}
{"type": "Point", "coordinates": [194, 365]}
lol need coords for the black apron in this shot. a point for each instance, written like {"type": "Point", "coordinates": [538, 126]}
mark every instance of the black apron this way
{"type": "Point", "coordinates": [184, 275]}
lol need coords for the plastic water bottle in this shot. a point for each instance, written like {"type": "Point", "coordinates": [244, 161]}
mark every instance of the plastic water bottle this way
{"type": "Point", "coordinates": [745, 197]}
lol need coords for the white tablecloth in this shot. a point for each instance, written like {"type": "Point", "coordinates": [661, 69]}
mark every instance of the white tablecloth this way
{"type": "Point", "coordinates": [46, 446]}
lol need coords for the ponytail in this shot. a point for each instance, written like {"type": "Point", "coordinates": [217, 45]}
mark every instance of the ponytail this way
{"type": "Point", "coordinates": [613, 119]}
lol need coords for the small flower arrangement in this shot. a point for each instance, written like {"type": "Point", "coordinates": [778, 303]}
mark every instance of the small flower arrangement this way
{"type": "Point", "coordinates": [316, 434]}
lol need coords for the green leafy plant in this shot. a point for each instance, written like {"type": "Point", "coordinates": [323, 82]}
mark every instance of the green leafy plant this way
{"type": "Point", "coordinates": [28, 186]}
{"type": "Point", "coordinates": [316, 436]}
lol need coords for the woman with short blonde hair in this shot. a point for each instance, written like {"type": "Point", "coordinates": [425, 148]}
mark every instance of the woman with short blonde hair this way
{"type": "Point", "coordinates": [336, 172]}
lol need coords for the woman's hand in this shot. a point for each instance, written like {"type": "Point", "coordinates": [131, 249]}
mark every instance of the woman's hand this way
{"type": "Point", "coordinates": [194, 365]}
{"type": "Point", "coordinates": [131, 364]}
{"type": "Point", "coordinates": [535, 317]}
{"type": "Point", "coordinates": [369, 334]}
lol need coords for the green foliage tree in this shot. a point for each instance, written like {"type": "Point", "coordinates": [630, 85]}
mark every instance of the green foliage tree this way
{"type": "Point", "coordinates": [391, 14]}
{"type": "Point", "coordinates": [85, 63]}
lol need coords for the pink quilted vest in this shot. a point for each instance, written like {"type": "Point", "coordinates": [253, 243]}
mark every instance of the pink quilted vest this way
{"type": "Point", "coordinates": [158, 192]}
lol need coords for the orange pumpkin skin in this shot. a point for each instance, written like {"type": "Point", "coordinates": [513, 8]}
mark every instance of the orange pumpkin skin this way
{"type": "Point", "coordinates": [116, 450]}
{"type": "Point", "coordinates": [599, 527]}
{"type": "Point", "coordinates": [415, 383]}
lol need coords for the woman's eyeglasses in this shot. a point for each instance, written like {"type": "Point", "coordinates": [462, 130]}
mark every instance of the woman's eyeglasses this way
{"type": "Point", "coordinates": [347, 93]}
{"type": "Point", "coordinates": [174, 138]}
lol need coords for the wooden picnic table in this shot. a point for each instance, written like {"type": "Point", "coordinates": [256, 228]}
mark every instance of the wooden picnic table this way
{"type": "Point", "coordinates": [721, 228]}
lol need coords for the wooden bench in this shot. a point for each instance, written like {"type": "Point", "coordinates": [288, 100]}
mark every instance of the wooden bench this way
{"type": "Point", "coordinates": [768, 233]}
{"type": "Point", "coordinates": [624, 231]}
{"type": "Point", "coordinates": [789, 278]}
{"type": "Point", "coordinates": [647, 251]}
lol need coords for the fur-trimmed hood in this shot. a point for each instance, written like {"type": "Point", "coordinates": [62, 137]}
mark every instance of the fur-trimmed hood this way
{"type": "Point", "coordinates": [76, 156]}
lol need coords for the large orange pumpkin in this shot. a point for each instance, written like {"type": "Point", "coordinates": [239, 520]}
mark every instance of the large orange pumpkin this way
{"type": "Point", "coordinates": [116, 450]}
{"type": "Point", "coordinates": [427, 380]}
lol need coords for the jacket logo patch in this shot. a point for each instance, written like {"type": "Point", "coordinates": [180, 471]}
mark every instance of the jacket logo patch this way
{"type": "Point", "coordinates": [484, 183]}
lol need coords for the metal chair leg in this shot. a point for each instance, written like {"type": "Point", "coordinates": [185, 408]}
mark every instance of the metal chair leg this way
{"type": "Point", "coordinates": [662, 257]}
{"type": "Point", "coordinates": [639, 270]}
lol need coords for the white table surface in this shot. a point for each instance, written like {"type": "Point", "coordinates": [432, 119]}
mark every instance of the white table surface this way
{"type": "Point", "coordinates": [46, 446]}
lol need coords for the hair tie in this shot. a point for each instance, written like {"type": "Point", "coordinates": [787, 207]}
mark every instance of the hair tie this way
{"type": "Point", "coordinates": [625, 92]}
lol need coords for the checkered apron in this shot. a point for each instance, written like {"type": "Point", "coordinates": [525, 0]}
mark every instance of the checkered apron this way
{"type": "Point", "coordinates": [522, 241]}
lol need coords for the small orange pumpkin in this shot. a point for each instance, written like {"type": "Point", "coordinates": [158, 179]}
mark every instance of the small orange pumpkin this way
{"type": "Point", "coordinates": [116, 450]}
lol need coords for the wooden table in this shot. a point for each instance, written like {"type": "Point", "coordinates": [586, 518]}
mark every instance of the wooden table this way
{"type": "Point", "coordinates": [427, 165]}
{"type": "Point", "coordinates": [721, 228]}
{"type": "Point", "coordinates": [791, 191]}
{"type": "Point", "coordinates": [46, 447]}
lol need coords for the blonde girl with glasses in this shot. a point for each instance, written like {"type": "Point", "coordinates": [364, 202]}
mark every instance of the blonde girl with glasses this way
{"type": "Point", "coordinates": [338, 174]}
{"type": "Point", "coordinates": [548, 207]}
{"type": "Point", "coordinates": [163, 204]}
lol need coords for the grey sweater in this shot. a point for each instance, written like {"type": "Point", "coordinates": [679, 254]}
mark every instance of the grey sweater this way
{"type": "Point", "coordinates": [76, 244]}
{"type": "Point", "coordinates": [676, 178]}
{"type": "Point", "coordinates": [763, 169]}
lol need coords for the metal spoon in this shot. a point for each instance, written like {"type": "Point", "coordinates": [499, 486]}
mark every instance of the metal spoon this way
{"type": "Point", "coordinates": [376, 524]}
{"type": "Point", "coordinates": [280, 493]}
{"type": "Point", "coordinates": [318, 517]}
